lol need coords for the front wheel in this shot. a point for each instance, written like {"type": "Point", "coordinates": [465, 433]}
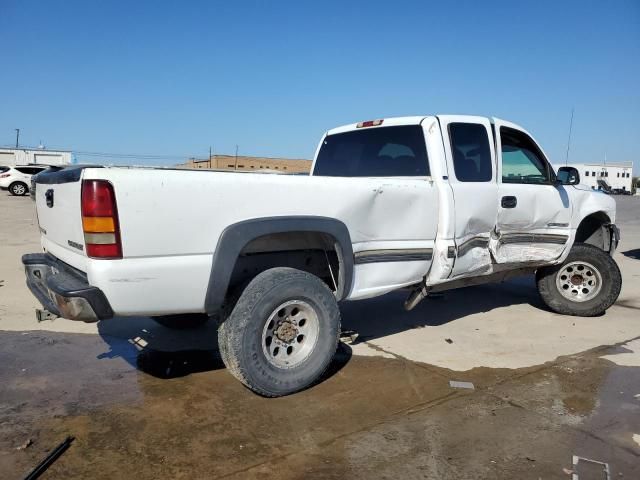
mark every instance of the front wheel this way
{"type": "Point", "coordinates": [282, 333]}
{"type": "Point", "coordinates": [585, 284]}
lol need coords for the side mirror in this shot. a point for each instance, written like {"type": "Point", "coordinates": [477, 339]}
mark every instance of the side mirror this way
{"type": "Point", "coordinates": [568, 176]}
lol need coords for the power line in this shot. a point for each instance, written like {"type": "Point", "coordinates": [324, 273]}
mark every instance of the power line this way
{"type": "Point", "coordinates": [146, 156]}
{"type": "Point", "coordinates": [141, 156]}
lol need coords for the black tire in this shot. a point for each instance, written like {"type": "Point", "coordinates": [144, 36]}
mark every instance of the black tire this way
{"type": "Point", "coordinates": [19, 189]}
{"type": "Point", "coordinates": [182, 322]}
{"type": "Point", "coordinates": [240, 336]}
{"type": "Point", "coordinates": [607, 269]}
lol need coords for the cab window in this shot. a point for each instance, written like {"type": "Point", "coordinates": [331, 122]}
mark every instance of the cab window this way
{"type": "Point", "coordinates": [397, 151]}
{"type": "Point", "coordinates": [471, 152]}
{"type": "Point", "coordinates": [522, 160]}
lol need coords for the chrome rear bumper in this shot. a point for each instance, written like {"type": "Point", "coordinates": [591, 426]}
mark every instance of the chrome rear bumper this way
{"type": "Point", "coordinates": [63, 290]}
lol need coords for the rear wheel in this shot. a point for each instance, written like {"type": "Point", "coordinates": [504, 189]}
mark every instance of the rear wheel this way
{"type": "Point", "coordinates": [18, 188]}
{"type": "Point", "coordinates": [282, 333]}
{"type": "Point", "coordinates": [586, 284]}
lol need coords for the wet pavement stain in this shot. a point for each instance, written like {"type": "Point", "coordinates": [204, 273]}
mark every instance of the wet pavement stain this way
{"type": "Point", "coordinates": [160, 414]}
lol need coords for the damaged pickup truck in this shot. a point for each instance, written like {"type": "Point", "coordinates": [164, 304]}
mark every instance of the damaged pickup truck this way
{"type": "Point", "coordinates": [419, 203]}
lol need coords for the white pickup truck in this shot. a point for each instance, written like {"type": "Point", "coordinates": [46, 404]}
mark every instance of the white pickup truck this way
{"type": "Point", "coordinates": [425, 203]}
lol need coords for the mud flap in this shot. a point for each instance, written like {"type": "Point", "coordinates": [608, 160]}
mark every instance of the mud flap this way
{"type": "Point", "coordinates": [611, 237]}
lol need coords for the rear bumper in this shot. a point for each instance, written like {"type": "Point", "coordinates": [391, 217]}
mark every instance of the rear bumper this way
{"type": "Point", "coordinates": [63, 290]}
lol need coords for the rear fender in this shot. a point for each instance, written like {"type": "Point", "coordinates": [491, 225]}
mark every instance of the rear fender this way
{"type": "Point", "coordinates": [235, 237]}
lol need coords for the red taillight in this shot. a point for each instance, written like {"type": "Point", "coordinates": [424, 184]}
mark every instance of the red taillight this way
{"type": "Point", "coordinates": [98, 199]}
{"type": "Point", "coordinates": [111, 250]}
{"type": "Point", "coordinates": [100, 220]}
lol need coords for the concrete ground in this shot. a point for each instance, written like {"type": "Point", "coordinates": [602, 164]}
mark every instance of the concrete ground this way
{"type": "Point", "coordinates": [147, 402]}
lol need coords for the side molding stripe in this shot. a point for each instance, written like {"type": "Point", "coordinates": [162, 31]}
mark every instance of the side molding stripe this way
{"type": "Point", "coordinates": [475, 242]}
{"type": "Point", "coordinates": [534, 238]}
{"type": "Point", "coordinates": [393, 255]}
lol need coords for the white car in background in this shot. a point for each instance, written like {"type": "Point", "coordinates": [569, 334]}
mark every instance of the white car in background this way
{"type": "Point", "coordinates": [18, 179]}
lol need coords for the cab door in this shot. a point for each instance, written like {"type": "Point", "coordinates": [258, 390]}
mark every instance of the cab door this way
{"type": "Point", "coordinates": [534, 211]}
{"type": "Point", "coordinates": [472, 176]}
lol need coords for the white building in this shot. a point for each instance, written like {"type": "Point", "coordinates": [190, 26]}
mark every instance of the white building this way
{"type": "Point", "coordinates": [601, 175]}
{"type": "Point", "coordinates": [25, 156]}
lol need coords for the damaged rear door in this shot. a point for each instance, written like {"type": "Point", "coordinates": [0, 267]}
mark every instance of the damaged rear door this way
{"type": "Point", "coordinates": [534, 211]}
{"type": "Point", "coordinates": [473, 179]}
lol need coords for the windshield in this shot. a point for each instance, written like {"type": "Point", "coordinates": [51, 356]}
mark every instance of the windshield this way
{"type": "Point", "coordinates": [377, 152]}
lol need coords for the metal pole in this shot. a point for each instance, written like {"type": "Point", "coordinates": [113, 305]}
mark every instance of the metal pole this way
{"type": "Point", "coordinates": [17, 137]}
{"type": "Point", "coordinates": [236, 164]}
{"type": "Point", "coordinates": [52, 457]}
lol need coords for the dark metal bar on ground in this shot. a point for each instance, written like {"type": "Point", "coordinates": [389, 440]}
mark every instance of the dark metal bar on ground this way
{"type": "Point", "coordinates": [52, 457]}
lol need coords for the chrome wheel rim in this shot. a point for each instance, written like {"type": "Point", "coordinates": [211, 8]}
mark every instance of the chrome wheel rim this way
{"type": "Point", "coordinates": [579, 281]}
{"type": "Point", "coordinates": [19, 190]}
{"type": "Point", "coordinates": [290, 334]}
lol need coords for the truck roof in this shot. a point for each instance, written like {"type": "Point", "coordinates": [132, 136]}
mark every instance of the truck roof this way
{"type": "Point", "coordinates": [408, 120]}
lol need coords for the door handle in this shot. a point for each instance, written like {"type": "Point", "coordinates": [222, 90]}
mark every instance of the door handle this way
{"type": "Point", "coordinates": [509, 202]}
{"type": "Point", "coordinates": [48, 196]}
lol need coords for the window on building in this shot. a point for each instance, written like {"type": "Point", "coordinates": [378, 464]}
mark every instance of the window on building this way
{"type": "Point", "coordinates": [586, 174]}
{"type": "Point", "coordinates": [522, 160]}
{"type": "Point", "coordinates": [593, 174]}
{"type": "Point", "coordinates": [618, 174]}
{"type": "Point", "coordinates": [230, 166]}
{"type": "Point", "coordinates": [606, 174]}
{"type": "Point", "coordinates": [627, 175]}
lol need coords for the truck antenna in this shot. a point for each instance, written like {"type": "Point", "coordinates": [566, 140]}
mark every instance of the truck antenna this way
{"type": "Point", "coordinates": [566, 159]}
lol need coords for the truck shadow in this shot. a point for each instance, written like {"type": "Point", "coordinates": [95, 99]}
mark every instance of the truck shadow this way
{"type": "Point", "coordinates": [385, 315]}
{"type": "Point", "coordinates": [160, 351]}
{"type": "Point", "coordinates": [166, 353]}
{"type": "Point", "coordinates": [635, 253]}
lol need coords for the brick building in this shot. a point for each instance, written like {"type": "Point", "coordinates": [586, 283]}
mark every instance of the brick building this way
{"type": "Point", "coordinates": [244, 163]}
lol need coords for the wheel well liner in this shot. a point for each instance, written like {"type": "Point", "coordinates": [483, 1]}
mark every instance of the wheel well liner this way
{"type": "Point", "coordinates": [235, 237]}
{"type": "Point", "coordinates": [591, 231]}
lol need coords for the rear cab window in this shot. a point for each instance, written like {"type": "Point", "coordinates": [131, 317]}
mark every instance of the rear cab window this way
{"type": "Point", "coordinates": [472, 159]}
{"type": "Point", "coordinates": [397, 151]}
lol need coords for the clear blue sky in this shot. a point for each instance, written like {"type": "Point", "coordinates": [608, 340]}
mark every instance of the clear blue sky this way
{"type": "Point", "coordinates": [173, 78]}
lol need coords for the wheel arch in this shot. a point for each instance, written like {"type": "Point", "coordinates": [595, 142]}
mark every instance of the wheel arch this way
{"type": "Point", "coordinates": [235, 238]}
{"type": "Point", "coordinates": [596, 229]}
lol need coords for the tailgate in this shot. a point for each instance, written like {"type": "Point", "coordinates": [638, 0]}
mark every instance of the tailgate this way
{"type": "Point", "coordinates": [57, 196]}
